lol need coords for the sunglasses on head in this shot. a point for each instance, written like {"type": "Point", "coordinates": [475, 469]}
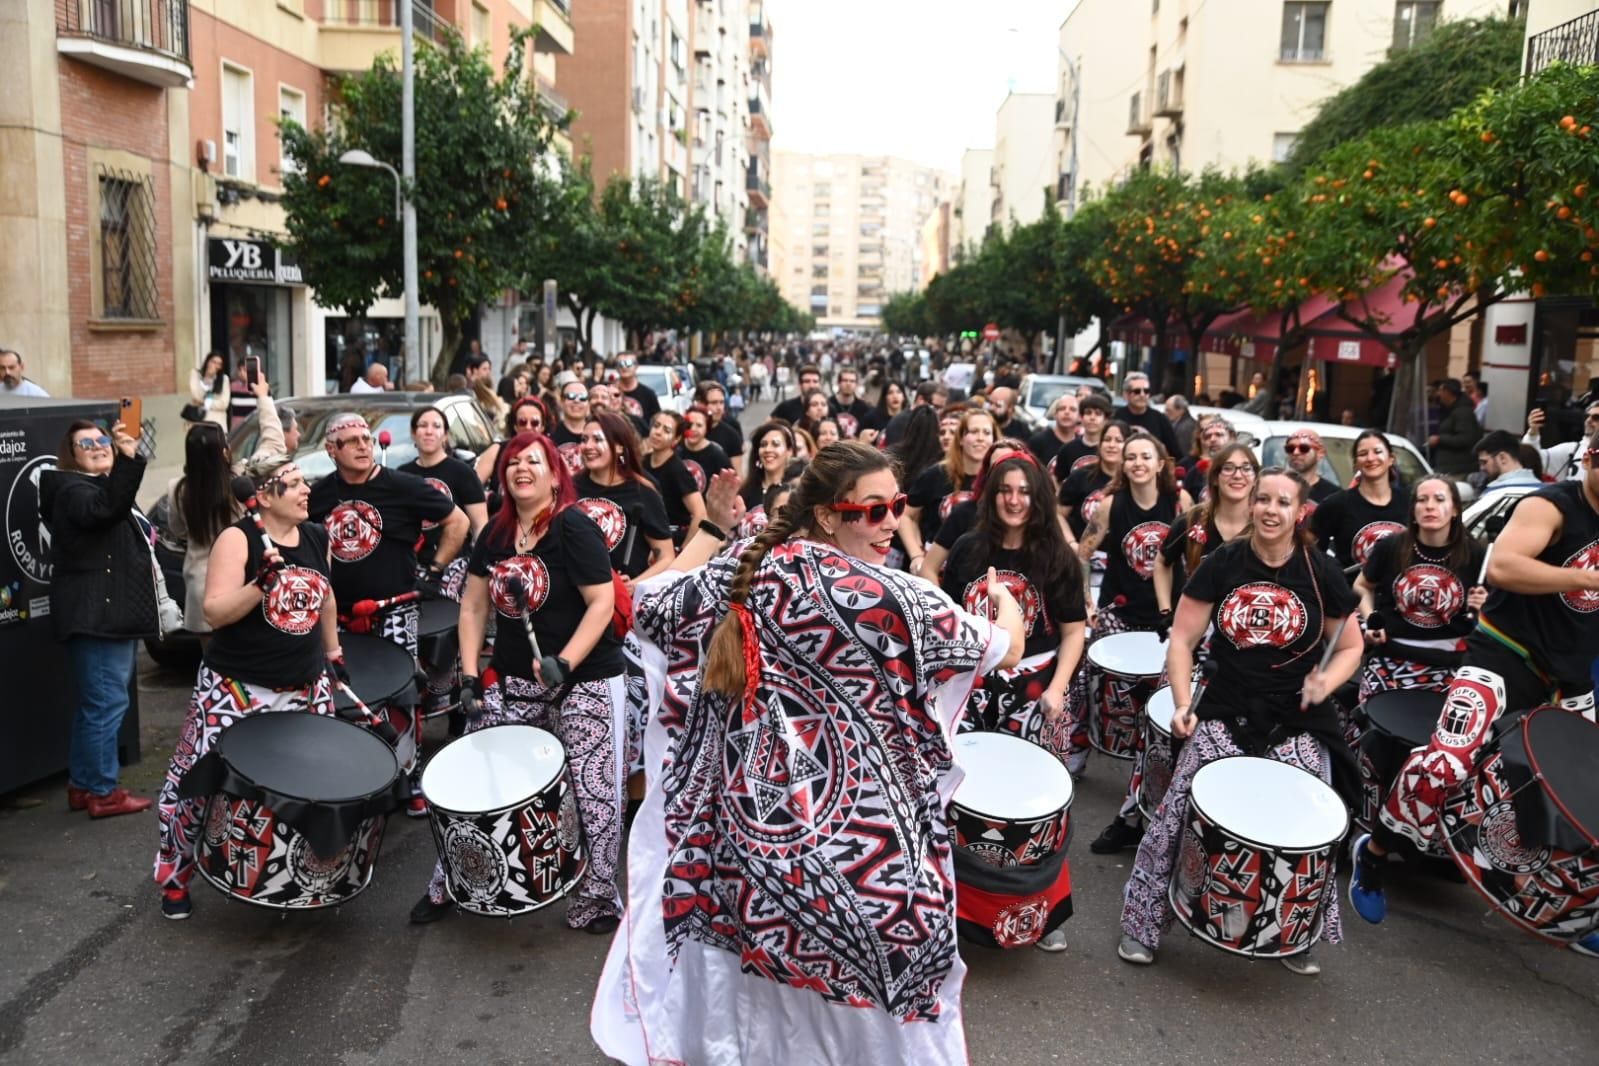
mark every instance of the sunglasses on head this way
{"type": "Point", "coordinates": [874, 512]}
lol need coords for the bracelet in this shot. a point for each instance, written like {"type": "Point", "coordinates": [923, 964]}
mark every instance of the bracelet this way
{"type": "Point", "coordinates": [706, 525]}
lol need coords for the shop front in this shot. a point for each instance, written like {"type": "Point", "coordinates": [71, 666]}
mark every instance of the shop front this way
{"type": "Point", "coordinates": [254, 286]}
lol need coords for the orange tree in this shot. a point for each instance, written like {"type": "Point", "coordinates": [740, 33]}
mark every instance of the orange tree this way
{"type": "Point", "coordinates": [1154, 224]}
{"type": "Point", "coordinates": [480, 136]}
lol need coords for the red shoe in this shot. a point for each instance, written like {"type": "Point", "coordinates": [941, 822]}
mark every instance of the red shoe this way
{"type": "Point", "coordinates": [416, 807]}
{"type": "Point", "coordinates": [77, 798]}
{"type": "Point", "coordinates": [120, 801]}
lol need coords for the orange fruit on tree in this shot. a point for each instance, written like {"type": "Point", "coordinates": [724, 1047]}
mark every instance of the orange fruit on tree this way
{"type": "Point", "coordinates": [1429, 222]}
{"type": "Point", "coordinates": [1563, 214]}
{"type": "Point", "coordinates": [1567, 122]}
{"type": "Point", "coordinates": [1487, 137]}
{"type": "Point", "coordinates": [1580, 190]}
{"type": "Point", "coordinates": [1541, 255]}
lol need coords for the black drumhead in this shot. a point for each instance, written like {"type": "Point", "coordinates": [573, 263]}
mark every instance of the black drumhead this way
{"type": "Point", "coordinates": [379, 669]}
{"type": "Point", "coordinates": [1408, 715]}
{"type": "Point", "coordinates": [312, 757]}
{"type": "Point", "coordinates": [1564, 747]}
{"type": "Point", "coordinates": [438, 616]}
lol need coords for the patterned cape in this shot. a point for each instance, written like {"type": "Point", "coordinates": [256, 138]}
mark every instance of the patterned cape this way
{"type": "Point", "coordinates": [790, 879]}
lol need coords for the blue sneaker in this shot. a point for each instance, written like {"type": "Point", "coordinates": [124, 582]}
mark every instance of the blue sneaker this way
{"type": "Point", "coordinates": [1365, 888]}
{"type": "Point", "coordinates": [1588, 945]}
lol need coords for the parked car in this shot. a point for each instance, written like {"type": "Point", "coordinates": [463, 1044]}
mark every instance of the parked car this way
{"type": "Point", "coordinates": [1250, 428]}
{"type": "Point", "coordinates": [1038, 391]}
{"type": "Point", "coordinates": [470, 432]}
{"type": "Point", "coordinates": [1489, 504]}
{"type": "Point", "coordinates": [1338, 465]}
{"type": "Point", "coordinates": [669, 386]}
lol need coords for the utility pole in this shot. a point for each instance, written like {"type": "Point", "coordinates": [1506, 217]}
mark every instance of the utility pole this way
{"type": "Point", "coordinates": [413, 348]}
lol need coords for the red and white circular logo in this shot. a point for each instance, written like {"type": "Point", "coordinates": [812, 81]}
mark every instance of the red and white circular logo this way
{"type": "Point", "coordinates": [1091, 504]}
{"type": "Point", "coordinates": [848, 426]}
{"type": "Point", "coordinates": [950, 502]}
{"type": "Point", "coordinates": [1369, 535]}
{"type": "Point", "coordinates": [515, 577]}
{"type": "Point", "coordinates": [753, 522]}
{"type": "Point", "coordinates": [1261, 614]}
{"type": "Point", "coordinates": [1084, 461]}
{"type": "Point", "coordinates": [1428, 596]}
{"type": "Point", "coordinates": [428, 524]}
{"type": "Point", "coordinates": [1142, 544]}
{"type": "Point", "coordinates": [572, 454]}
{"type": "Point", "coordinates": [697, 472]}
{"type": "Point", "coordinates": [294, 606]}
{"type": "Point", "coordinates": [354, 530]}
{"type": "Point", "coordinates": [608, 516]}
{"type": "Point", "coordinates": [632, 406]}
{"type": "Point", "coordinates": [1584, 602]}
{"type": "Point", "coordinates": [975, 598]}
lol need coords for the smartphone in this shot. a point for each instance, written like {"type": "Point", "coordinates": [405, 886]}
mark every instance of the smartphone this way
{"type": "Point", "coordinates": [132, 416]}
{"type": "Point", "coordinates": [252, 370]}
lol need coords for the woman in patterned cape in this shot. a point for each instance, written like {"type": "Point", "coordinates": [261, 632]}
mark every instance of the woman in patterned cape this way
{"type": "Point", "coordinates": [790, 875]}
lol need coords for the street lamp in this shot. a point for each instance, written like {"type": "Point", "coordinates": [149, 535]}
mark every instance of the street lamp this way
{"type": "Point", "coordinates": [358, 157]}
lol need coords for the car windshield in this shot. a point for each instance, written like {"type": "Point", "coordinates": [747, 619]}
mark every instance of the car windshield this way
{"type": "Point", "coordinates": [655, 379]}
{"type": "Point", "coordinates": [1041, 394]}
{"type": "Point", "coordinates": [1338, 465]}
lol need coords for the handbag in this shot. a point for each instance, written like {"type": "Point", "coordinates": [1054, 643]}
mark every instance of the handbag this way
{"type": "Point", "coordinates": [169, 613]}
{"type": "Point", "coordinates": [192, 412]}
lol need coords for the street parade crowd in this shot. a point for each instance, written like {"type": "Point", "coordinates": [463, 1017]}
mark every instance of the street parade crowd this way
{"type": "Point", "coordinates": [823, 690]}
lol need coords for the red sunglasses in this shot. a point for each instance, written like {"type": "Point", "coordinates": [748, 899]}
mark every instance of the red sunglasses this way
{"type": "Point", "coordinates": [874, 512]}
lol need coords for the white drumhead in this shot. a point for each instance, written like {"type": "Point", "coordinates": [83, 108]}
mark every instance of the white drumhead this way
{"type": "Point", "coordinates": [1135, 654]}
{"type": "Point", "coordinates": [1269, 802]}
{"type": "Point", "coordinates": [1160, 708]}
{"type": "Point", "coordinates": [492, 769]}
{"type": "Point", "coordinates": [1007, 777]}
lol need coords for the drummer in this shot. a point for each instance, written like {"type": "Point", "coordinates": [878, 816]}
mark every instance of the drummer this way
{"type": "Point", "coordinates": [1419, 595]}
{"type": "Point", "coordinates": [1533, 645]}
{"type": "Point", "coordinates": [944, 485]}
{"type": "Point", "coordinates": [1222, 515]}
{"type": "Point", "coordinates": [1140, 506]}
{"type": "Point", "coordinates": [1084, 488]}
{"type": "Point", "coordinates": [1273, 599]}
{"type": "Point", "coordinates": [963, 516]}
{"type": "Point", "coordinates": [374, 518]}
{"type": "Point", "coordinates": [274, 620]}
{"type": "Point", "coordinates": [543, 556]}
{"type": "Point", "coordinates": [1351, 521]}
{"type": "Point", "coordinates": [458, 481]}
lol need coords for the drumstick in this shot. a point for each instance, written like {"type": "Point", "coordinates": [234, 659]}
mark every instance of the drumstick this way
{"type": "Point", "coordinates": [1326, 656]}
{"type": "Point", "coordinates": [244, 492]}
{"type": "Point", "coordinates": [634, 513]}
{"type": "Point", "coordinates": [548, 666]}
{"type": "Point", "coordinates": [382, 728]}
{"type": "Point", "coordinates": [1493, 527]}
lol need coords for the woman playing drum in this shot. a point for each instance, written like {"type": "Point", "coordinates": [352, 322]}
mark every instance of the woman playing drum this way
{"type": "Point", "coordinates": [543, 564]}
{"type": "Point", "coordinates": [275, 630]}
{"type": "Point", "coordinates": [790, 875]}
{"type": "Point", "coordinates": [614, 490]}
{"type": "Point", "coordinates": [1222, 515]}
{"type": "Point", "coordinates": [1273, 599]}
{"type": "Point", "coordinates": [1419, 595]}
{"type": "Point", "coordinates": [1083, 491]}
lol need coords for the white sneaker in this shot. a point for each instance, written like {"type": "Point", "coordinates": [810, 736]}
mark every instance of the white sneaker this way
{"type": "Point", "coordinates": [1054, 940]}
{"type": "Point", "coordinates": [1301, 964]}
{"type": "Point", "coordinates": [1130, 950]}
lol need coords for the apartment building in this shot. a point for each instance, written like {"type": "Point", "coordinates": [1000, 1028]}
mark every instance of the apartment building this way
{"type": "Point", "coordinates": [853, 229]}
{"type": "Point", "coordinates": [758, 178]}
{"type": "Point", "coordinates": [974, 202]}
{"type": "Point", "coordinates": [139, 149]}
{"type": "Point", "coordinates": [1023, 163]}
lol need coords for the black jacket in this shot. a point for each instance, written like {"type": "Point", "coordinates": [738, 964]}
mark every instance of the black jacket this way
{"type": "Point", "coordinates": [1458, 433]}
{"type": "Point", "coordinates": [104, 579]}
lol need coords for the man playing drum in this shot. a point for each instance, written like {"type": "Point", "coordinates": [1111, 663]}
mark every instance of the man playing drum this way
{"type": "Point", "coordinates": [1534, 644]}
{"type": "Point", "coordinates": [1273, 599]}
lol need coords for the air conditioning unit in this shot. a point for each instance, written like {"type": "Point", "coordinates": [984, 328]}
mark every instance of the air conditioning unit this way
{"type": "Point", "coordinates": [205, 153]}
{"type": "Point", "coordinates": [638, 100]}
{"type": "Point", "coordinates": [1169, 94]}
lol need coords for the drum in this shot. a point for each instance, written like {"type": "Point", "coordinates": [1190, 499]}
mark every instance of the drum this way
{"type": "Point", "coordinates": [436, 642]}
{"type": "Point", "coordinates": [505, 820]}
{"type": "Point", "coordinates": [1256, 869]}
{"type": "Point", "coordinates": [1135, 658]}
{"type": "Point", "coordinates": [1160, 751]}
{"type": "Point", "coordinates": [1011, 821]}
{"type": "Point", "coordinates": [1524, 828]}
{"type": "Point", "coordinates": [1398, 722]}
{"type": "Point", "coordinates": [383, 676]}
{"type": "Point", "coordinates": [1013, 807]}
{"type": "Point", "coordinates": [334, 784]}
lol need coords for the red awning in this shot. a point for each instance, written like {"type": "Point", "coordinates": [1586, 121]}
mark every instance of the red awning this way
{"type": "Point", "coordinates": [1335, 340]}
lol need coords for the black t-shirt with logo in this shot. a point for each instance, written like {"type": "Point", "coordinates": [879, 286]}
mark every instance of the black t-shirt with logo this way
{"type": "Point", "coordinates": [1421, 598]}
{"type": "Point", "coordinates": [1349, 525]}
{"type": "Point", "coordinates": [1174, 549]}
{"type": "Point", "coordinates": [373, 528]}
{"type": "Point", "coordinates": [458, 482]}
{"type": "Point", "coordinates": [962, 517]}
{"type": "Point", "coordinates": [570, 555]}
{"type": "Point", "coordinates": [1132, 540]}
{"type": "Point", "coordinates": [639, 403]}
{"type": "Point", "coordinates": [676, 483]}
{"type": "Point", "coordinates": [727, 435]}
{"type": "Point", "coordinates": [610, 506]}
{"type": "Point", "coordinates": [1073, 456]}
{"type": "Point", "coordinates": [933, 493]}
{"type": "Point", "coordinates": [1562, 630]}
{"type": "Point", "coordinates": [1268, 620]}
{"type": "Point", "coordinates": [1044, 610]}
{"type": "Point", "coordinates": [863, 415]}
{"type": "Point", "coordinates": [1084, 493]}
{"type": "Point", "coordinates": [279, 643]}
{"type": "Point", "coordinates": [1045, 445]}
{"type": "Point", "coordinates": [704, 464]}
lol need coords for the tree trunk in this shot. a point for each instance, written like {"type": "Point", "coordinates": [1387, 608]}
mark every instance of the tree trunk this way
{"type": "Point", "coordinates": [442, 362]}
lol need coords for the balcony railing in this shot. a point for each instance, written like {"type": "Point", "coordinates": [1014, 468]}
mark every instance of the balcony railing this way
{"type": "Point", "coordinates": [1575, 42]}
{"type": "Point", "coordinates": [425, 22]}
{"type": "Point", "coordinates": [551, 102]}
{"type": "Point", "coordinates": [160, 26]}
{"type": "Point", "coordinates": [757, 186]}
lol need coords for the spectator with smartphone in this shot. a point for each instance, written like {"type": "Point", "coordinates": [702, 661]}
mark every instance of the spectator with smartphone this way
{"type": "Point", "coordinates": [1563, 461]}
{"type": "Point", "coordinates": [208, 388]}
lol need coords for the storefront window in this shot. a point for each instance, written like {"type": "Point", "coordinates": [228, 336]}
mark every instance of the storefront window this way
{"type": "Point", "coordinates": [353, 344]}
{"type": "Point", "coordinates": [253, 320]}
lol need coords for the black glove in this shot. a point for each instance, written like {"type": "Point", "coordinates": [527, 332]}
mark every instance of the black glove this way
{"type": "Point", "coordinates": [517, 589]}
{"type": "Point", "coordinates": [267, 574]}
{"type": "Point", "coordinates": [336, 667]}
{"type": "Point", "coordinates": [471, 697]}
{"type": "Point", "coordinates": [430, 584]}
{"type": "Point", "coordinates": [1163, 626]}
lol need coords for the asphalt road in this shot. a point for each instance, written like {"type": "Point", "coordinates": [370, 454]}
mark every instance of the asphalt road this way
{"type": "Point", "coordinates": [93, 974]}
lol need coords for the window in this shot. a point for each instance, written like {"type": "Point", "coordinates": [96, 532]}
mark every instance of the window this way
{"type": "Point", "coordinates": [1413, 21]}
{"type": "Point", "coordinates": [1282, 146]}
{"type": "Point", "coordinates": [1304, 32]}
{"type": "Point", "coordinates": [291, 108]}
{"type": "Point", "coordinates": [127, 245]}
{"type": "Point", "coordinates": [480, 26]}
{"type": "Point", "coordinates": [238, 123]}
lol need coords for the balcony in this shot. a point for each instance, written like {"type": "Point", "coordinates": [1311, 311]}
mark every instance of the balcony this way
{"type": "Point", "coordinates": [759, 189]}
{"type": "Point", "coordinates": [760, 30]}
{"type": "Point", "coordinates": [755, 220]}
{"type": "Point", "coordinates": [760, 113]}
{"type": "Point", "coordinates": [554, 20]}
{"type": "Point", "coordinates": [355, 32]}
{"type": "Point", "coordinates": [1575, 42]}
{"type": "Point", "coordinates": [1138, 121]}
{"type": "Point", "coordinates": [1063, 117]}
{"type": "Point", "coordinates": [551, 102]}
{"type": "Point", "coordinates": [146, 40]}
{"type": "Point", "coordinates": [1169, 94]}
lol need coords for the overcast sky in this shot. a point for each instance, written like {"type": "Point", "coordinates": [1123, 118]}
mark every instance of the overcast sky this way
{"type": "Point", "coordinates": [919, 79]}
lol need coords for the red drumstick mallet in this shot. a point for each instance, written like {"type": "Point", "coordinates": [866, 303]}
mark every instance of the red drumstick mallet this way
{"type": "Point", "coordinates": [385, 438]}
{"type": "Point", "coordinates": [1493, 527]}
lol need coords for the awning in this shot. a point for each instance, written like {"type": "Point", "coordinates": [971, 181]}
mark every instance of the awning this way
{"type": "Point", "coordinates": [1335, 340]}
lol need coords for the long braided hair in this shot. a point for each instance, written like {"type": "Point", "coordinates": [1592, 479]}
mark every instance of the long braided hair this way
{"type": "Point", "coordinates": [828, 478]}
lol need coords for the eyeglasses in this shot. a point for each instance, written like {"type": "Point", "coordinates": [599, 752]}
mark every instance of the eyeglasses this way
{"type": "Point", "coordinates": [364, 438]}
{"type": "Point", "coordinates": [1237, 470]}
{"type": "Point", "coordinates": [89, 444]}
{"type": "Point", "coordinates": [874, 512]}
{"type": "Point", "coordinates": [1299, 449]}
{"type": "Point", "coordinates": [529, 423]}
{"type": "Point", "coordinates": [577, 397]}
